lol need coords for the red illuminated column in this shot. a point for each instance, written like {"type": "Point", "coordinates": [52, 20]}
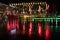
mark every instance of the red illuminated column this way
{"type": "Point", "coordinates": [30, 28]}
{"type": "Point", "coordinates": [24, 28]}
{"type": "Point", "coordinates": [47, 32]}
{"type": "Point", "coordinates": [16, 23]}
{"type": "Point", "coordinates": [8, 26]}
{"type": "Point", "coordinates": [39, 29]}
{"type": "Point", "coordinates": [8, 20]}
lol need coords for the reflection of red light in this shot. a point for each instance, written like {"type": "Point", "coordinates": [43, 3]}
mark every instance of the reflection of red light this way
{"type": "Point", "coordinates": [8, 26]}
{"type": "Point", "coordinates": [23, 28]}
{"type": "Point", "coordinates": [39, 29]}
{"type": "Point", "coordinates": [30, 28]}
{"type": "Point", "coordinates": [16, 24]}
{"type": "Point", "coordinates": [47, 32]}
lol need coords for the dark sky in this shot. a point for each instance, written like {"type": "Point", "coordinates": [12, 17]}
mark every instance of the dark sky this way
{"type": "Point", "coordinates": [12, 1]}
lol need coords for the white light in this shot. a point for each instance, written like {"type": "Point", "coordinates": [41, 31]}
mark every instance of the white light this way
{"type": "Point", "coordinates": [13, 31]}
{"type": "Point", "coordinates": [12, 6]}
{"type": "Point", "coordinates": [29, 3]}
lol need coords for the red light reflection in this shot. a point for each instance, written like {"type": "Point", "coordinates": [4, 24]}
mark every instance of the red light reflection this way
{"type": "Point", "coordinates": [47, 32]}
{"type": "Point", "coordinates": [30, 28]}
{"type": "Point", "coordinates": [8, 26]}
{"type": "Point", "coordinates": [23, 28]}
{"type": "Point", "coordinates": [39, 29]}
{"type": "Point", "coordinates": [17, 23]}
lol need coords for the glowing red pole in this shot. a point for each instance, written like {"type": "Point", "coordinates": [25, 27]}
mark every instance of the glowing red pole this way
{"type": "Point", "coordinates": [30, 24]}
{"type": "Point", "coordinates": [30, 28]}
{"type": "Point", "coordinates": [39, 29]}
{"type": "Point", "coordinates": [16, 21]}
{"type": "Point", "coordinates": [8, 21]}
{"type": "Point", "coordinates": [24, 28]}
{"type": "Point", "coordinates": [8, 26]}
{"type": "Point", "coordinates": [47, 32]}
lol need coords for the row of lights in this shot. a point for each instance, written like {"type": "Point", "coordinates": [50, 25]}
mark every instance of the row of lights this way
{"type": "Point", "coordinates": [28, 3]}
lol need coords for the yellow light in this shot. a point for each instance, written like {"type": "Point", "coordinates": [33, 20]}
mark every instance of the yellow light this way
{"type": "Point", "coordinates": [25, 16]}
{"type": "Point", "coordinates": [33, 3]}
{"type": "Point", "coordinates": [38, 2]}
{"type": "Point", "coordinates": [26, 3]}
{"type": "Point", "coordinates": [29, 3]}
{"type": "Point", "coordinates": [7, 7]}
{"type": "Point", "coordinates": [42, 2]}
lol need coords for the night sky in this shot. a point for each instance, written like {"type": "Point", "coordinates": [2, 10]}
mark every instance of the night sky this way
{"type": "Point", "coordinates": [16, 1]}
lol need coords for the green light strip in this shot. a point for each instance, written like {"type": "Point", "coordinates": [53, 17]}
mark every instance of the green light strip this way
{"type": "Point", "coordinates": [46, 19]}
{"type": "Point", "coordinates": [58, 18]}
